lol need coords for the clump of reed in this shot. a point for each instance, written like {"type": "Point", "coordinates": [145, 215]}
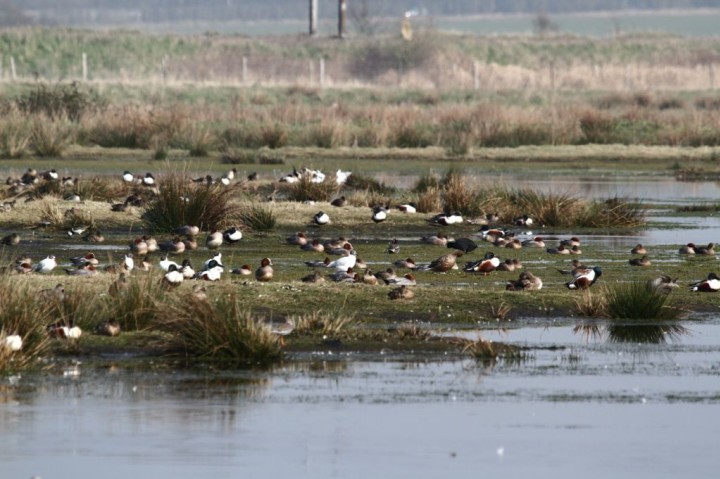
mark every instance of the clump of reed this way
{"type": "Point", "coordinates": [136, 307]}
{"type": "Point", "coordinates": [22, 315]}
{"type": "Point", "coordinates": [306, 190]}
{"type": "Point", "coordinates": [199, 140]}
{"type": "Point", "coordinates": [224, 332]}
{"type": "Point", "coordinates": [15, 135]}
{"type": "Point", "coordinates": [257, 217]}
{"type": "Point", "coordinates": [612, 213]}
{"type": "Point", "coordinates": [483, 349]}
{"type": "Point", "coordinates": [182, 202]}
{"type": "Point", "coordinates": [361, 182]}
{"type": "Point", "coordinates": [97, 188]}
{"type": "Point", "coordinates": [70, 101]}
{"type": "Point", "coordinates": [591, 304]}
{"type": "Point", "coordinates": [50, 137]}
{"type": "Point", "coordinates": [321, 323]}
{"type": "Point", "coordinates": [636, 300]}
{"type": "Point", "coordinates": [457, 196]}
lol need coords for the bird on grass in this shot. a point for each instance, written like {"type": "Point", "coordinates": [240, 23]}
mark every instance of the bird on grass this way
{"type": "Point", "coordinates": [403, 292]}
{"type": "Point", "coordinates": [466, 245]}
{"type": "Point", "coordinates": [526, 282]}
{"type": "Point", "coordinates": [709, 285]}
{"type": "Point", "coordinates": [442, 264]}
{"type": "Point", "coordinates": [487, 265]}
{"type": "Point", "coordinates": [265, 272]}
{"type": "Point", "coordinates": [584, 278]}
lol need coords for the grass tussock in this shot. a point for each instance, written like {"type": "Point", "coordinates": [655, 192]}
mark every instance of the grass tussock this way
{"type": "Point", "coordinates": [483, 349]}
{"type": "Point", "coordinates": [612, 213]}
{"type": "Point", "coordinates": [223, 332]}
{"type": "Point", "coordinates": [320, 323]}
{"type": "Point", "coordinates": [258, 217]}
{"type": "Point", "coordinates": [26, 318]}
{"type": "Point", "coordinates": [50, 137]}
{"type": "Point", "coordinates": [635, 300]}
{"type": "Point", "coordinates": [182, 202]}
{"type": "Point", "coordinates": [137, 307]}
{"type": "Point", "coordinates": [306, 190]}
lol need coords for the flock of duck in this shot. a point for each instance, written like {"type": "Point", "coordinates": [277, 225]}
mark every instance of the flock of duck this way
{"type": "Point", "coordinates": [345, 267]}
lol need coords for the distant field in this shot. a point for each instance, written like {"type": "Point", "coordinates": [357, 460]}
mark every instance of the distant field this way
{"type": "Point", "coordinates": [697, 23]}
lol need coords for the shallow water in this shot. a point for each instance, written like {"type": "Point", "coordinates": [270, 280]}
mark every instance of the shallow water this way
{"type": "Point", "coordinates": [595, 407]}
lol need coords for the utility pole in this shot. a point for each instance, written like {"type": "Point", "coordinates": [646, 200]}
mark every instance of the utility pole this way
{"type": "Point", "coordinates": [342, 10]}
{"type": "Point", "coordinates": [313, 17]}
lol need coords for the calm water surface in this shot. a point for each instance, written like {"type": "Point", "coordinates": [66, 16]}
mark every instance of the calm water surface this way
{"type": "Point", "coordinates": [587, 406]}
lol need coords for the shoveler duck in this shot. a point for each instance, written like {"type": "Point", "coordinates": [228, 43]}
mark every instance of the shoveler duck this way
{"type": "Point", "coordinates": [46, 265]}
{"type": "Point", "coordinates": [443, 264]}
{"type": "Point", "coordinates": [13, 239]}
{"type": "Point", "coordinates": [118, 286]}
{"type": "Point", "coordinates": [244, 270]}
{"type": "Point", "coordinates": [488, 264]}
{"type": "Point", "coordinates": [345, 262]}
{"type": "Point", "coordinates": [491, 234]}
{"type": "Point", "coordinates": [644, 261]}
{"type": "Point", "coordinates": [265, 272]}
{"type": "Point", "coordinates": [466, 245]}
{"type": "Point", "coordinates": [339, 202]}
{"type": "Point", "coordinates": [405, 263]}
{"type": "Point", "coordinates": [446, 219]}
{"type": "Point", "coordinates": [214, 239]}
{"type": "Point", "coordinates": [165, 264]}
{"type": "Point", "coordinates": [187, 270]}
{"type": "Point", "coordinates": [439, 239]}
{"type": "Point", "coordinates": [403, 292]}
{"type": "Point", "coordinates": [188, 230]}
{"type": "Point", "coordinates": [662, 284]}
{"type": "Point", "coordinates": [687, 249]}
{"type": "Point", "coordinates": [252, 176]}
{"type": "Point", "coordinates": [584, 278]}
{"type": "Point", "coordinates": [314, 277]}
{"type": "Point", "coordinates": [574, 241]}
{"type": "Point", "coordinates": [13, 342]}
{"type": "Point", "coordinates": [299, 239]}
{"type": "Point", "coordinates": [526, 282]}
{"type": "Point", "coordinates": [379, 214]}
{"type": "Point", "coordinates": [108, 328]}
{"type": "Point", "coordinates": [148, 179]}
{"type": "Point", "coordinates": [128, 177]}
{"type": "Point", "coordinates": [232, 235]}
{"type": "Point", "coordinates": [406, 280]}
{"type": "Point", "coordinates": [314, 246]}
{"type": "Point", "coordinates": [89, 258]}
{"type": "Point", "coordinates": [523, 220]}
{"type": "Point", "coordinates": [708, 250]}
{"type": "Point", "coordinates": [638, 249]}
{"type": "Point", "coordinates": [559, 250]}
{"type": "Point", "coordinates": [709, 285]}
{"type": "Point", "coordinates": [217, 258]}
{"type": "Point", "coordinates": [29, 177]}
{"type": "Point", "coordinates": [321, 218]}
{"type": "Point", "coordinates": [407, 207]}
{"type": "Point", "coordinates": [393, 247]}
{"type": "Point", "coordinates": [512, 244]}
{"type": "Point", "coordinates": [212, 272]}
{"type": "Point", "coordinates": [341, 177]}
{"type": "Point", "coordinates": [61, 330]}
{"type": "Point", "coordinates": [536, 242]}
{"type": "Point", "coordinates": [145, 264]}
{"type": "Point", "coordinates": [173, 277]}
{"type": "Point", "coordinates": [52, 294]}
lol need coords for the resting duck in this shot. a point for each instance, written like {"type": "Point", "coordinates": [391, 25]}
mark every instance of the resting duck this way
{"type": "Point", "coordinates": [187, 270]}
{"type": "Point", "coordinates": [118, 286]}
{"type": "Point", "coordinates": [339, 202]}
{"type": "Point", "coordinates": [536, 242]}
{"type": "Point", "coordinates": [512, 244]}
{"type": "Point", "coordinates": [687, 249]}
{"type": "Point", "coordinates": [574, 241]}
{"type": "Point", "coordinates": [662, 284]}
{"type": "Point", "coordinates": [46, 265]}
{"type": "Point", "coordinates": [439, 239]}
{"type": "Point", "coordinates": [406, 280]}
{"type": "Point", "coordinates": [343, 276]}
{"type": "Point", "coordinates": [89, 258]}
{"type": "Point", "coordinates": [298, 239]}
{"type": "Point", "coordinates": [315, 246]}
{"type": "Point", "coordinates": [265, 272]}
{"type": "Point", "coordinates": [559, 250]}
{"type": "Point", "coordinates": [214, 239]}
{"type": "Point", "coordinates": [379, 214]}
{"type": "Point", "coordinates": [244, 270]}
{"type": "Point", "coordinates": [52, 294]}
{"type": "Point", "coordinates": [405, 263]}
{"type": "Point", "coordinates": [403, 292]}
{"type": "Point", "coordinates": [507, 265]}
{"type": "Point", "coordinates": [643, 262]}
{"type": "Point", "coordinates": [393, 247]}
{"type": "Point", "coordinates": [369, 278]}
{"type": "Point", "coordinates": [442, 264]}
{"type": "Point", "coordinates": [408, 208]}
{"type": "Point", "coordinates": [526, 282]}
{"type": "Point", "coordinates": [212, 273]}
{"type": "Point", "coordinates": [584, 278]}
{"type": "Point", "coordinates": [343, 250]}
{"type": "Point", "coordinates": [466, 245]}
{"type": "Point", "coordinates": [709, 285]}
{"type": "Point", "coordinates": [232, 235]}
{"type": "Point", "coordinates": [491, 234]}
{"type": "Point", "coordinates": [13, 239]}
{"type": "Point", "coordinates": [188, 230]}
{"type": "Point", "coordinates": [108, 328]}
{"type": "Point", "coordinates": [165, 264]}
{"type": "Point", "coordinates": [139, 246]}
{"type": "Point", "coordinates": [344, 263]}
{"type": "Point", "coordinates": [83, 270]}
{"type": "Point", "coordinates": [174, 246]}
{"type": "Point", "coordinates": [488, 264]}
{"type": "Point", "coordinates": [523, 220]}
{"type": "Point", "coordinates": [321, 218]}
{"type": "Point", "coordinates": [319, 264]}
{"type": "Point", "coordinates": [446, 219]}
{"type": "Point", "coordinates": [638, 249]}
{"type": "Point", "coordinates": [173, 278]}
{"type": "Point", "coordinates": [314, 277]}
{"type": "Point", "coordinates": [708, 250]}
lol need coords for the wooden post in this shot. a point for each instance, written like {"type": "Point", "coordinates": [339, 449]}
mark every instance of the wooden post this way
{"type": "Point", "coordinates": [322, 72]}
{"type": "Point", "coordinates": [313, 16]}
{"type": "Point", "coordinates": [84, 68]}
{"type": "Point", "coordinates": [244, 70]}
{"type": "Point", "coordinates": [342, 10]}
{"type": "Point", "coordinates": [311, 66]}
{"type": "Point", "coordinates": [476, 75]}
{"type": "Point", "coordinates": [13, 73]}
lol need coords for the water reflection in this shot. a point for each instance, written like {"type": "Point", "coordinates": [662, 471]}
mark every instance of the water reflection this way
{"type": "Point", "coordinates": [645, 333]}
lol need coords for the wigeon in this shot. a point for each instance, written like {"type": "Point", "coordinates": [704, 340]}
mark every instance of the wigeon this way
{"type": "Point", "coordinates": [265, 272]}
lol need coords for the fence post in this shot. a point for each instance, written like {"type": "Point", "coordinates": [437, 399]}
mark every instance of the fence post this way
{"type": "Point", "coordinates": [13, 72]}
{"type": "Point", "coordinates": [163, 68]}
{"type": "Point", "coordinates": [322, 72]}
{"type": "Point", "coordinates": [84, 68]}
{"type": "Point", "coordinates": [244, 70]}
{"type": "Point", "coordinates": [311, 66]}
{"type": "Point", "coordinates": [313, 16]}
{"type": "Point", "coordinates": [711, 75]}
{"type": "Point", "coordinates": [476, 75]}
